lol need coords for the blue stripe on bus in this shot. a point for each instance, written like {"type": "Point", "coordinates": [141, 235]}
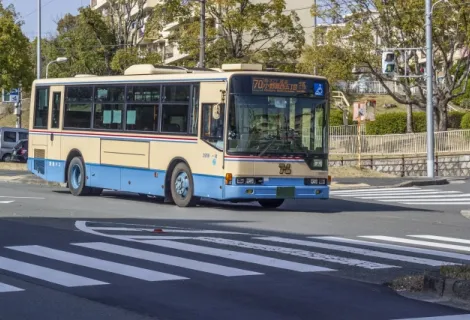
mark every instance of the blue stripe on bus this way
{"type": "Point", "coordinates": [130, 179]}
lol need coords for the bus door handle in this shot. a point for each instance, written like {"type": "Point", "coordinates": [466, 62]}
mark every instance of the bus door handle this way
{"type": "Point", "coordinates": [52, 136]}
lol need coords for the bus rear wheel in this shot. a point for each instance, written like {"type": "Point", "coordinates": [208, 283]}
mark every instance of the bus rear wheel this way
{"type": "Point", "coordinates": [271, 203]}
{"type": "Point", "coordinates": [76, 177]}
{"type": "Point", "coordinates": [182, 186]}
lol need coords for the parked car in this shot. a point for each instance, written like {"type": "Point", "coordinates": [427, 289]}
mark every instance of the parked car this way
{"type": "Point", "coordinates": [20, 151]}
{"type": "Point", "coordinates": [9, 138]}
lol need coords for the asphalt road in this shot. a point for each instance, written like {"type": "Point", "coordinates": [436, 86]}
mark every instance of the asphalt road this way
{"type": "Point", "coordinates": [120, 257]}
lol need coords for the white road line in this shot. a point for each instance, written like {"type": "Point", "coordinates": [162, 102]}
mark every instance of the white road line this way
{"type": "Point", "coordinates": [417, 193]}
{"type": "Point", "coordinates": [158, 237]}
{"type": "Point", "coordinates": [419, 243]}
{"type": "Point", "coordinates": [103, 265]}
{"type": "Point", "coordinates": [454, 317]}
{"type": "Point", "coordinates": [7, 202]}
{"type": "Point", "coordinates": [7, 288]}
{"type": "Point", "coordinates": [122, 229]}
{"type": "Point", "coordinates": [364, 252]}
{"type": "Point", "coordinates": [447, 239]}
{"type": "Point", "coordinates": [446, 254]}
{"type": "Point", "coordinates": [32, 198]}
{"type": "Point", "coordinates": [426, 196]}
{"type": "Point", "coordinates": [459, 203]}
{"type": "Point", "coordinates": [446, 199]}
{"type": "Point", "coordinates": [372, 190]}
{"type": "Point", "coordinates": [167, 259]}
{"type": "Point", "coordinates": [46, 274]}
{"type": "Point", "coordinates": [239, 256]}
{"type": "Point", "coordinates": [300, 253]}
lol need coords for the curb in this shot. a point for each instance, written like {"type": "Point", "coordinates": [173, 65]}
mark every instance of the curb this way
{"type": "Point", "coordinates": [411, 183]}
{"type": "Point", "coordinates": [465, 213]}
{"type": "Point", "coordinates": [447, 287]}
{"type": "Point", "coordinates": [34, 181]}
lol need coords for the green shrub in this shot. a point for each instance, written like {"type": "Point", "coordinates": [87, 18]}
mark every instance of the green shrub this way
{"type": "Point", "coordinates": [395, 123]}
{"type": "Point", "coordinates": [419, 122]}
{"type": "Point", "coordinates": [336, 117]}
{"type": "Point", "coordinates": [465, 123]}
{"type": "Point", "coordinates": [454, 119]}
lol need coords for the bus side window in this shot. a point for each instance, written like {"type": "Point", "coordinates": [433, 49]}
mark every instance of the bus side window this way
{"type": "Point", "coordinates": [213, 124]}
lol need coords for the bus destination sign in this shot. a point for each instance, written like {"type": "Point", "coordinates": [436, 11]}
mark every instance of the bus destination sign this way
{"type": "Point", "coordinates": [279, 85]}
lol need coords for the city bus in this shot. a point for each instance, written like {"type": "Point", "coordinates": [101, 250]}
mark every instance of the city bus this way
{"type": "Point", "coordinates": [237, 133]}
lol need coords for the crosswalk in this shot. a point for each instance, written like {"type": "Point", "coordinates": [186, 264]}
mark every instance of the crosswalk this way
{"type": "Point", "coordinates": [409, 195]}
{"type": "Point", "coordinates": [220, 254]}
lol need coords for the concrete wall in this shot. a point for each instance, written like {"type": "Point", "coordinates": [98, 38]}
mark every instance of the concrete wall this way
{"type": "Point", "coordinates": [446, 166]}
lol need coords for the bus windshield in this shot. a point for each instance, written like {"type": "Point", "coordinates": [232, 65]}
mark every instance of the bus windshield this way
{"type": "Point", "coordinates": [276, 125]}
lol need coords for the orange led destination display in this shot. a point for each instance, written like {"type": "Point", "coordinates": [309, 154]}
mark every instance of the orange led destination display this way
{"type": "Point", "coordinates": [273, 85]}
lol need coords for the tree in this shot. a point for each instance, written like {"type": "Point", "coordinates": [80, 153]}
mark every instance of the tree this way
{"type": "Point", "coordinates": [401, 24]}
{"type": "Point", "coordinates": [15, 64]}
{"type": "Point", "coordinates": [126, 19]}
{"type": "Point", "coordinates": [333, 61]}
{"type": "Point", "coordinates": [92, 46]}
{"type": "Point", "coordinates": [125, 58]}
{"type": "Point", "coordinates": [237, 31]}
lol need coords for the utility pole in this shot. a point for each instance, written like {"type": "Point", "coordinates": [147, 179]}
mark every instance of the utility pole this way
{"type": "Point", "coordinates": [38, 67]}
{"type": "Point", "coordinates": [202, 53]}
{"type": "Point", "coordinates": [18, 108]}
{"type": "Point", "coordinates": [429, 92]}
{"type": "Point", "coordinates": [315, 33]}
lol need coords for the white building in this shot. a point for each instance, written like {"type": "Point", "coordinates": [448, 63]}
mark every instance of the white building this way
{"type": "Point", "coordinates": [170, 52]}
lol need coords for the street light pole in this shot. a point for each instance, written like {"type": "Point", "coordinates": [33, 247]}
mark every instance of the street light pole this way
{"type": "Point", "coordinates": [315, 33]}
{"type": "Point", "coordinates": [38, 67]}
{"type": "Point", "coordinates": [202, 53]}
{"type": "Point", "coordinates": [58, 60]}
{"type": "Point", "coordinates": [429, 92]}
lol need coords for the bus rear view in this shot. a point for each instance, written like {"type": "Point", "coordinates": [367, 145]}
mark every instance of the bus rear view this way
{"type": "Point", "coordinates": [277, 146]}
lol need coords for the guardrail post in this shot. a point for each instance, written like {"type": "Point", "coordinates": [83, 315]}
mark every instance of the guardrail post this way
{"type": "Point", "coordinates": [402, 165]}
{"type": "Point", "coordinates": [371, 162]}
{"type": "Point", "coordinates": [436, 165]}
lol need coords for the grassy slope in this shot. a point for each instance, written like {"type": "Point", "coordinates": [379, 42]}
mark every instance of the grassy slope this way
{"type": "Point", "coordinates": [381, 100]}
{"type": "Point", "coordinates": [10, 120]}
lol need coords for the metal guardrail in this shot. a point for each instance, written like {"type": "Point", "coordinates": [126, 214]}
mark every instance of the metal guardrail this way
{"type": "Point", "coordinates": [399, 144]}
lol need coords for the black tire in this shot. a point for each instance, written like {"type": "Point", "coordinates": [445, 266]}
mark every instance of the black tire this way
{"type": "Point", "coordinates": [187, 200]}
{"type": "Point", "coordinates": [6, 157]}
{"type": "Point", "coordinates": [271, 203]}
{"type": "Point", "coordinates": [76, 181]}
{"type": "Point", "coordinates": [96, 191]}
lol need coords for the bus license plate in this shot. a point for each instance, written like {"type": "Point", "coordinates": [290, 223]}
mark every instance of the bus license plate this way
{"type": "Point", "coordinates": [285, 192]}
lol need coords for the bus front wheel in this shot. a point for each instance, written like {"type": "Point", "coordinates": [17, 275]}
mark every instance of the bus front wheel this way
{"type": "Point", "coordinates": [271, 203]}
{"type": "Point", "coordinates": [76, 177]}
{"type": "Point", "coordinates": [182, 186]}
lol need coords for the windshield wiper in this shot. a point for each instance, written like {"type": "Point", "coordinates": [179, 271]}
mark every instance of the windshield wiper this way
{"type": "Point", "coordinates": [268, 146]}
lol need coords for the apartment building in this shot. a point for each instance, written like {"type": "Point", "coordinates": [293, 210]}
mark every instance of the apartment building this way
{"type": "Point", "coordinates": [169, 51]}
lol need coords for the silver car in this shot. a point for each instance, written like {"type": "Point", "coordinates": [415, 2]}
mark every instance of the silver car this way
{"type": "Point", "coordinates": [9, 138]}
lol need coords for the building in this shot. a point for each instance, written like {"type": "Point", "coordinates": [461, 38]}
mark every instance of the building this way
{"type": "Point", "coordinates": [169, 51]}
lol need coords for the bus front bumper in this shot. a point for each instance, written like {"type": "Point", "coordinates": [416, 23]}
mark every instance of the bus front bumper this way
{"type": "Point", "coordinates": [276, 192]}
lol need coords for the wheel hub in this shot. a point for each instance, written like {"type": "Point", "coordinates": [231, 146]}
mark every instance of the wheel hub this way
{"type": "Point", "coordinates": [182, 184]}
{"type": "Point", "coordinates": [76, 176]}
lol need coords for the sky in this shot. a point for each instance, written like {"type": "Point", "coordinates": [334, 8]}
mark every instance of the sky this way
{"type": "Point", "coordinates": [52, 10]}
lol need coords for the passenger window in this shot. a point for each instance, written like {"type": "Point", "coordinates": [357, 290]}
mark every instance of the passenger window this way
{"type": "Point", "coordinates": [77, 115]}
{"type": "Point", "coordinates": [41, 108]}
{"type": "Point", "coordinates": [175, 118]}
{"type": "Point", "coordinates": [9, 136]}
{"type": "Point", "coordinates": [109, 94]}
{"type": "Point", "coordinates": [143, 94]}
{"type": "Point", "coordinates": [194, 111]}
{"type": "Point", "coordinates": [79, 94]}
{"type": "Point", "coordinates": [142, 117]}
{"type": "Point", "coordinates": [56, 97]}
{"type": "Point", "coordinates": [213, 124]}
{"type": "Point", "coordinates": [108, 116]}
{"type": "Point", "coordinates": [23, 135]}
{"type": "Point", "coordinates": [176, 93]}
{"type": "Point", "coordinates": [78, 107]}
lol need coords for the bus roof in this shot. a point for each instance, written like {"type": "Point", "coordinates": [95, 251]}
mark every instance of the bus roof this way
{"type": "Point", "coordinates": [149, 73]}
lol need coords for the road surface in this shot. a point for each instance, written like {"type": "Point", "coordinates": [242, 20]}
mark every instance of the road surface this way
{"type": "Point", "coordinates": [120, 257]}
